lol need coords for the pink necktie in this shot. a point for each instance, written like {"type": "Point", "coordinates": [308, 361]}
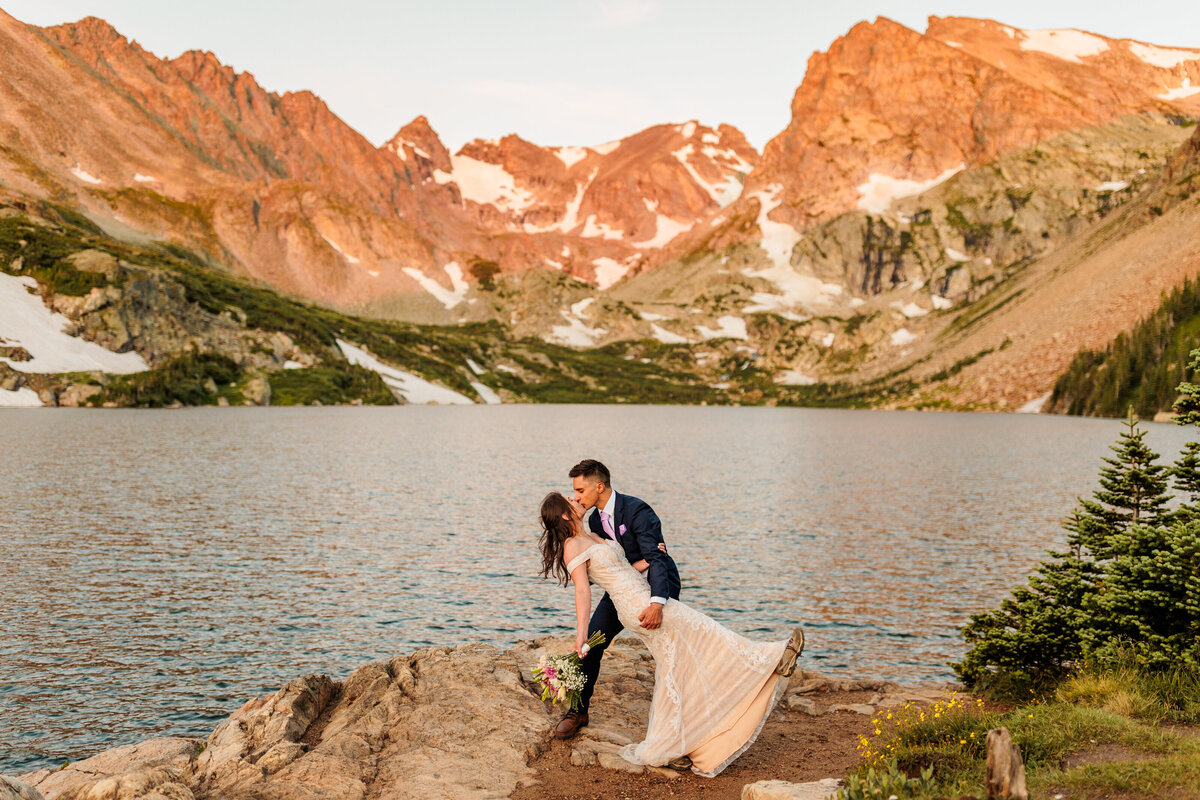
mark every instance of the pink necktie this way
{"type": "Point", "coordinates": [606, 523]}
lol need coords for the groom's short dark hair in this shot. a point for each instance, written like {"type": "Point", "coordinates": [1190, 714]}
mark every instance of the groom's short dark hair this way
{"type": "Point", "coordinates": [591, 469]}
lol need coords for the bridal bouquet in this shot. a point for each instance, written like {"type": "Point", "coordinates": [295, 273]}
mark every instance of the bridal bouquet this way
{"type": "Point", "coordinates": [561, 677]}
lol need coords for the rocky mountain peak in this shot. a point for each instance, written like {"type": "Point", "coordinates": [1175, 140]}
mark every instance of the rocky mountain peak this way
{"type": "Point", "coordinates": [419, 138]}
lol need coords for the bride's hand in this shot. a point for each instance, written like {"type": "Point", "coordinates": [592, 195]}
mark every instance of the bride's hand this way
{"type": "Point", "coordinates": [579, 643]}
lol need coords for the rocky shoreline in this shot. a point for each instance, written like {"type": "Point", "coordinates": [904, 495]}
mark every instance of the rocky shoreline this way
{"type": "Point", "coordinates": [454, 722]}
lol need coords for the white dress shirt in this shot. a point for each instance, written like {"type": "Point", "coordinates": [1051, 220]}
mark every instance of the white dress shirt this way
{"type": "Point", "coordinates": [608, 509]}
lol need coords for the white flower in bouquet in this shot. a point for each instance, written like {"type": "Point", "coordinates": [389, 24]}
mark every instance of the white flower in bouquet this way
{"type": "Point", "coordinates": [561, 678]}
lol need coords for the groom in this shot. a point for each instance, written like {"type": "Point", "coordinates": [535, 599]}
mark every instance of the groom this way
{"type": "Point", "coordinates": [634, 525]}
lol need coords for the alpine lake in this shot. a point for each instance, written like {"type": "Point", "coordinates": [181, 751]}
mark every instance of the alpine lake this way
{"type": "Point", "coordinates": [160, 568]}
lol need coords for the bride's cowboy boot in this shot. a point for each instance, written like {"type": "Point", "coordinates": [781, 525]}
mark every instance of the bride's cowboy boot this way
{"type": "Point", "coordinates": [795, 646]}
{"type": "Point", "coordinates": [569, 725]}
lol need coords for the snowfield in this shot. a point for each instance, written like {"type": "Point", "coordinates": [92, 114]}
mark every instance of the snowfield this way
{"type": "Point", "coordinates": [25, 321]}
{"type": "Point", "coordinates": [1163, 57]}
{"type": "Point", "coordinates": [877, 194]}
{"type": "Point", "coordinates": [414, 389]}
{"type": "Point", "coordinates": [1069, 45]}
{"type": "Point", "coordinates": [19, 398]}
{"type": "Point", "coordinates": [447, 297]}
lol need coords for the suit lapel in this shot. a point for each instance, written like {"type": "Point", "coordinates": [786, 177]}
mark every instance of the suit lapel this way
{"type": "Point", "coordinates": [618, 515]}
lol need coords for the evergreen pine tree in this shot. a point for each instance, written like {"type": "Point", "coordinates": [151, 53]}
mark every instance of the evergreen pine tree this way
{"type": "Point", "coordinates": [1187, 405]}
{"type": "Point", "coordinates": [1186, 474]}
{"type": "Point", "coordinates": [1133, 491]}
{"type": "Point", "coordinates": [1042, 629]}
{"type": "Point", "coordinates": [1150, 600]}
{"type": "Point", "coordinates": [1186, 471]}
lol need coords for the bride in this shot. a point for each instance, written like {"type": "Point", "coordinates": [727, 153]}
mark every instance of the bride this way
{"type": "Point", "coordinates": [713, 689]}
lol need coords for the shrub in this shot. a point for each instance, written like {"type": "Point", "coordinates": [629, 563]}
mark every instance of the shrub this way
{"type": "Point", "coordinates": [329, 386]}
{"type": "Point", "coordinates": [889, 783]}
{"type": "Point", "coordinates": [184, 379]}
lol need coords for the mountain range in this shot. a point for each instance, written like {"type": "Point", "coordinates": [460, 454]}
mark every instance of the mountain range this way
{"type": "Point", "coordinates": [947, 219]}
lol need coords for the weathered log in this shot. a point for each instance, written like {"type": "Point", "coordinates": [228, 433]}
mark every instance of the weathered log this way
{"type": "Point", "coordinates": [1005, 769]}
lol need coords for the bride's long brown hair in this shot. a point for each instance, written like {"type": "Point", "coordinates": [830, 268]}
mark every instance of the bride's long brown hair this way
{"type": "Point", "coordinates": [555, 532]}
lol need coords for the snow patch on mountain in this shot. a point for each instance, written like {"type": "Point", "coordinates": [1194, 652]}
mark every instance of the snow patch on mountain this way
{"type": "Point", "coordinates": [665, 230]}
{"type": "Point", "coordinates": [778, 239]}
{"type": "Point", "coordinates": [1164, 57]}
{"type": "Point", "coordinates": [1112, 186]}
{"type": "Point", "coordinates": [576, 332]}
{"type": "Point", "coordinates": [1185, 90]}
{"type": "Point", "coordinates": [910, 309]}
{"type": "Point", "coordinates": [608, 271]}
{"type": "Point", "coordinates": [19, 398]}
{"type": "Point", "coordinates": [26, 322]}
{"type": "Point", "coordinates": [1067, 44]}
{"type": "Point", "coordinates": [877, 194]}
{"type": "Point", "coordinates": [571, 155]}
{"type": "Point", "coordinates": [1035, 405]}
{"type": "Point", "coordinates": [84, 175]}
{"type": "Point", "coordinates": [599, 230]}
{"type": "Point", "coordinates": [485, 183]}
{"type": "Point", "coordinates": [665, 336]}
{"type": "Point", "coordinates": [792, 377]}
{"type": "Point", "coordinates": [447, 297]}
{"type": "Point", "coordinates": [140, 178]}
{"type": "Point", "coordinates": [349, 258]}
{"type": "Point", "coordinates": [728, 327]}
{"type": "Point", "coordinates": [486, 393]}
{"type": "Point", "coordinates": [412, 388]}
{"type": "Point", "coordinates": [902, 337]}
{"type": "Point", "coordinates": [688, 130]}
{"type": "Point", "coordinates": [957, 255]}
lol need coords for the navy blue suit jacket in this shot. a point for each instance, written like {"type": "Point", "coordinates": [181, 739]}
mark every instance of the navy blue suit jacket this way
{"type": "Point", "coordinates": [643, 532]}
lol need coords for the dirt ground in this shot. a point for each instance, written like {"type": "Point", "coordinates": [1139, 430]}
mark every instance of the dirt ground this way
{"type": "Point", "coordinates": [792, 746]}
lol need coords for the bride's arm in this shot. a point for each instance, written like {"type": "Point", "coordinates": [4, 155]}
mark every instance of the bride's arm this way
{"type": "Point", "coordinates": [643, 564]}
{"type": "Point", "coordinates": [583, 605]}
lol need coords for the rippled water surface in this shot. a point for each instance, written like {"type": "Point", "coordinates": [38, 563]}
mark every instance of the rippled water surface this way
{"type": "Point", "coordinates": [157, 569]}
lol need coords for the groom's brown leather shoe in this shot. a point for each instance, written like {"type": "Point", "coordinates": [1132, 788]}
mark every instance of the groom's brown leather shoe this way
{"type": "Point", "coordinates": [569, 725]}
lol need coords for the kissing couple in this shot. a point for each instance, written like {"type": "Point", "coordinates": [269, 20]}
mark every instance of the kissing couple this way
{"type": "Point", "coordinates": [713, 688]}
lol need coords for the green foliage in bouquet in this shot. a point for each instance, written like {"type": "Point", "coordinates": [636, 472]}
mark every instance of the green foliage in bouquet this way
{"type": "Point", "coordinates": [561, 677]}
{"type": "Point", "coordinates": [1129, 580]}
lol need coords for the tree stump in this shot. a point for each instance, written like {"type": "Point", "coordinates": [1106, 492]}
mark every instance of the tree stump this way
{"type": "Point", "coordinates": [1005, 769]}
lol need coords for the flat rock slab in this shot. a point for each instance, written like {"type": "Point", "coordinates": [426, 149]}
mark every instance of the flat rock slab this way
{"type": "Point", "coordinates": [13, 789]}
{"type": "Point", "coordinates": [782, 790]}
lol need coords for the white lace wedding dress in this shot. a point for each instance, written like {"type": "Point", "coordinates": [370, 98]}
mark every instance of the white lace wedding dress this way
{"type": "Point", "coordinates": [713, 689]}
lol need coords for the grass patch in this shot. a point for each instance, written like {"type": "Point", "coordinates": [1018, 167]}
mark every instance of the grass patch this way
{"type": "Point", "coordinates": [43, 252]}
{"type": "Point", "coordinates": [192, 379]}
{"type": "Point", "coordinates": [1116, 708]}
{"type": "Point", "coordinates": [329, 386]}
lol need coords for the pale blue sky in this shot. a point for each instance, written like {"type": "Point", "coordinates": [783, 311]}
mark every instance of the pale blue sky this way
{"type": "Point", "coordinates": [562, 72]}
